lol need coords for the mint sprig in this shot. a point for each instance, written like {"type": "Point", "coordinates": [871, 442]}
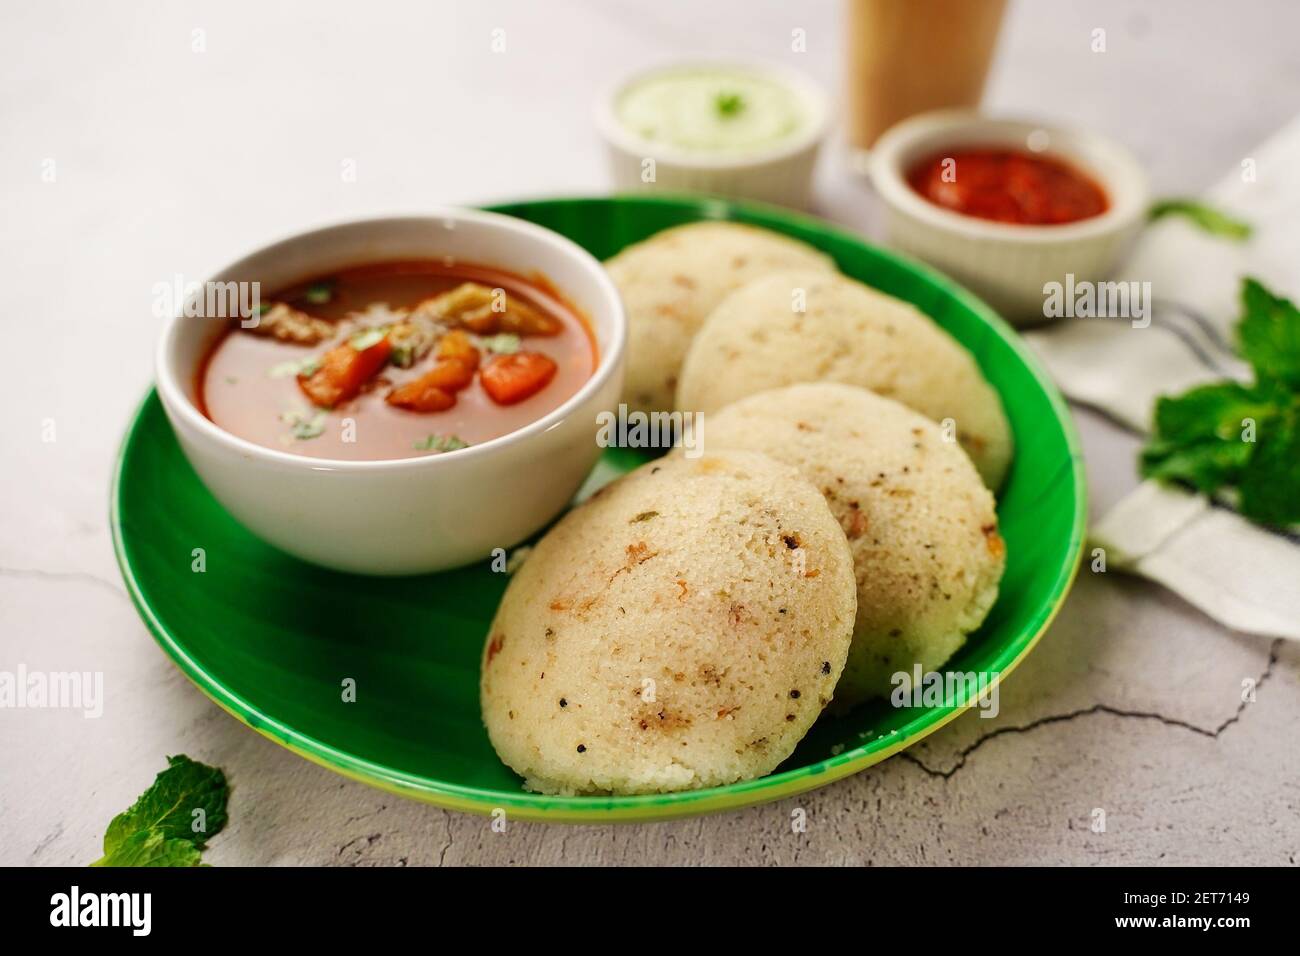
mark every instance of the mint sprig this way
{"type": "Point", "coordinates": [1244, 437]}
{"type": "Point", "coordinates": [162, 828]}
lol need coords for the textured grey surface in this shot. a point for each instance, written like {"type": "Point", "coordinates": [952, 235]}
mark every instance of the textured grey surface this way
{"type": "Point", "coordinates": [174, 161]}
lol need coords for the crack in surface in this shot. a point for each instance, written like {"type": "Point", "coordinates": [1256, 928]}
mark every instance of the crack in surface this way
{"type": "Point", "coordinates": [83, 576]}
{"type": "Point", "coordinates": [362, 816]}
{"type": "Point", "coordinates": [442, 854]}
{"type": "Point", "coordinates": [46, 841]}
{"type": "Point", "coordinates": [362, 845]}
{"type": "Point", "coordinates": [962, 756]}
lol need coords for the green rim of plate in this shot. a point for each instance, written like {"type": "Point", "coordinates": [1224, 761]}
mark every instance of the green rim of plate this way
{"type": "Point", "coordinates": [414, 729]}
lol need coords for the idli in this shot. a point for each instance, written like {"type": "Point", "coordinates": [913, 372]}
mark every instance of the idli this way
{"type": "Point", "coordinates": [672, 281]}
{"type": "Point", "coordinates": [921, 525]}
{"type": "Point", "coordinates": [683, 628]}
{"type": "Point", "coordinates": [813, 327]}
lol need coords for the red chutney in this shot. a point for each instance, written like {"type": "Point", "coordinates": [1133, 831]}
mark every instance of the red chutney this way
{"type": "Point", "coordinates": [1008, 185]}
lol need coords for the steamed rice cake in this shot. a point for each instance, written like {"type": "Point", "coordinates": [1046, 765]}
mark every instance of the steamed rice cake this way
{"type": "Point", "coordinates": [920, 524]}
{"type": "Point", "coordinates": [673, 280]}
{"type": "Point", "coordinates": [812, 327]}
{"type": "Point", "coordinates": [683, 628]}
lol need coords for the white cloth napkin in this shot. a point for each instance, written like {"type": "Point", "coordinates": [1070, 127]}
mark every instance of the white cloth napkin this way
{"type": "Point", "coordinates": [1244, 576]}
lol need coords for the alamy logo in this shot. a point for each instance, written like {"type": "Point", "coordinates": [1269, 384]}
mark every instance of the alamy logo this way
{"type": "Point", "coordinates": [1098, 300]}
{"type": "Point", "coordinates": [638, 429]}
{"type": "Point", "coordinates": [53, 690]}
{"type": "Point", "coordinates": [75, 908]}
{"type": "Point", "coordinates": [949, 689]}
{"type": "Point", "coordinates": [211, 299]}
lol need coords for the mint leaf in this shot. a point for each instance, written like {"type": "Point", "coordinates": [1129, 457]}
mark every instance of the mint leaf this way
{"type": "Point", "coordinates": [162, 828]}
{"type": "Point", "coordinates": [1270, 487]}
{"type": "Point", "coordinates": [169, 804]}
{"type": "Point", "coordinates": [1211, 411]}
{"type": "Point", "coordinates": [1268, 335]}
{"type": "Point", "coordinates": [1231, 435]}
{"type": "Point", "coordinates": [1205, 465]}
{"type": "Point", "coordinates": [152, 848]}
{"type": "Point", "coordinates": [1199, 436]}
{"type": "Point", "coordinates": [1213, 221]}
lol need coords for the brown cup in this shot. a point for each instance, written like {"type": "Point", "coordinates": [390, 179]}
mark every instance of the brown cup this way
{"type": "Point", "coordinates": [910, 56]}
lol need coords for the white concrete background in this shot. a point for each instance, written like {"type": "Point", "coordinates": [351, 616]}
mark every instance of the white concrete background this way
{"type": "Point", "coordinates": [173, 161]}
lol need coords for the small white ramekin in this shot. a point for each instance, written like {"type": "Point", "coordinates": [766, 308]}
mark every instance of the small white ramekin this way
{"type": "Point", "coordinates": [407, 515]}
{"type": "Point", "coordinates": [1008, 264]}
{"type": "Point", "coordinates": [782, 174]}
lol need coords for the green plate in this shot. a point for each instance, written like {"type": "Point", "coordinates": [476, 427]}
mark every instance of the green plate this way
{"type": "Point", "coordinates": [271, 639]}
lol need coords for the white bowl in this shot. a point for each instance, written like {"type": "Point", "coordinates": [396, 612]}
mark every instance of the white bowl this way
{"type": "Point", "coordinates": [781, 174]}
{"type": "Point", "coordinates": [408, 515]}
{"type": "Point", "coordinates": [1005, 263]}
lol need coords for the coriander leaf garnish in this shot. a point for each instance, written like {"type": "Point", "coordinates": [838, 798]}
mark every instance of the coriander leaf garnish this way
{"type": "Point", "coordinates": [305, 431]}
{"type": "Point", "coordinates": [729, 104]}
{"type": "Point", "coordinates": [503, 343]}
{"type": "Point", "coordinates": [1214, 221]}
{"type": "Point", "coordinates": [318, 293]}
{"type": "Point", "coordinates": [171, 821]}
{"type": "Point", "coordinates": [306, 366]}
{"type": "Point", "coordinates": [367, 338]}
{"type": "Point", "coordinates": [311, 428]}
{"type": "Point", "coordinates": [439, 443]}
{"type": "Point", "coordinates": [1230, 435]}
{"type": "Point", "coordinates": [304, 424]}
